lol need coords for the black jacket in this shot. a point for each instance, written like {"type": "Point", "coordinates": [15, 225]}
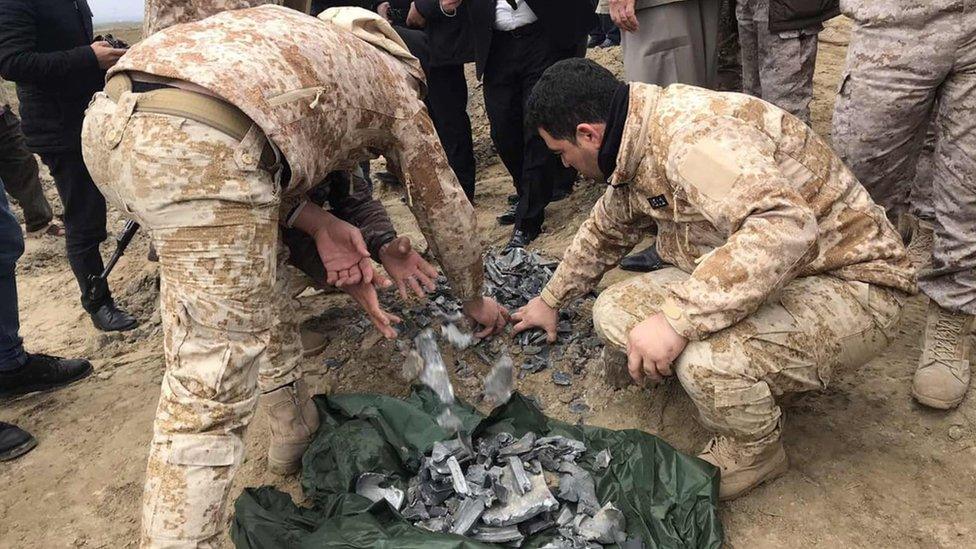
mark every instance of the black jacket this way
{"type": "Point", "coordinates": [45, 49]}
{"type": "Point", "coordinates": [450, 39]}
{"type": "Point", "coordinates": [566, 23]}
{"type": "Point", "coordinates": [788, 15]}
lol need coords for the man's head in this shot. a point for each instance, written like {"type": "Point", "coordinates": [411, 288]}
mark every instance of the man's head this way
{"type": "Point", "coordinates": [569, 106]}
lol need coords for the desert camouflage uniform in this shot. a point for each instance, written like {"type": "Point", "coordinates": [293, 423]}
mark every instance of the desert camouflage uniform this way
{"type": "Point", "coordinates": [785, 268]}
{"type": "Point", "coordinates": [906, 59]}
{"type": "Point", "coordinates": [776, 66]}
{"type": "Point", "coordinates": [214, 212]}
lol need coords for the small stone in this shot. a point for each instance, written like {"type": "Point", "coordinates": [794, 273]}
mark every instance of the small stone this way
{"type": "Point", "coordinates": [333, 363]}
{"type": "Point", "coordinates": [105, 374]}
{"type": "Point", "coordinates": [566, 398]}
{"type": "Point", "coordinates": [562, 379]}
{"type": "Point", "coordinates": [578, 406]}
{"type": "Point", "coordinates": [957, 432]}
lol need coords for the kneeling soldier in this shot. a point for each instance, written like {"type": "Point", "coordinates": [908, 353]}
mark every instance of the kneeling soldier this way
{"type": "Point", "coordinates": [785, 270]}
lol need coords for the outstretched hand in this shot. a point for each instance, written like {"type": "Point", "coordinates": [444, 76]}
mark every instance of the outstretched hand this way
{"type": "Point", "coordinates": [365, 295]}
{"type": "Point", "coordinates": [407, 269]}
{"type": "Point", "coordinates": [536, 314]}
{"type": "Point", "coordinates": [343, 252]}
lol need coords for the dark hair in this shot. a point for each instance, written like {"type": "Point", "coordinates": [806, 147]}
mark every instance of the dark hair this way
{"type": "Point", "coordinates": [570, 93]}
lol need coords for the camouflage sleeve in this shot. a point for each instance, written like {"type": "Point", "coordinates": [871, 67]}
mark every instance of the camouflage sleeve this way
{"type": "Point", "coordinates": [608, 233]}
{"type": "Point", "coordinates": [726, 167]}
{"type": "Point", "coordinates": [435, 197]}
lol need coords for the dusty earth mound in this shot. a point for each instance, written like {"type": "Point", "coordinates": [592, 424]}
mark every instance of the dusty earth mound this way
{"type": "Point", "coordinates": [869, 467]}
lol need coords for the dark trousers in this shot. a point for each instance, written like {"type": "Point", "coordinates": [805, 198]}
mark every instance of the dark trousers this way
{"type": "Point", "coordinates": [605, 30]}
{"type": "Point", "coordinates": [11, 248]}
{"type": "Point", "coordinates": [515, 62]}
{"type": "Point", "coordinates": [18, 169]}
{"type": "Point", "coordinates": [84, 221]}
{"type": "Point", "coordinates": [447, 102]}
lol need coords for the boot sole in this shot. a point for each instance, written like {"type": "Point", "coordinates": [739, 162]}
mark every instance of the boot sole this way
{"type": "Point", "coordinates": [937, 403]}
{"type": "Point", "coordinates": [18, 451]}
{"type": "Point", "coordinates": [43, 388]}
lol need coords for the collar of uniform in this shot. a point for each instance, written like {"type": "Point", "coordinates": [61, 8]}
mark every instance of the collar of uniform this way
{"type": "Point", "coordinates": [634, 142]}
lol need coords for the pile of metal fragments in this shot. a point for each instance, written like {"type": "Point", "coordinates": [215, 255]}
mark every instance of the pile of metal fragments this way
{"type": "Point", "coordinates": [500, 489]}
{"type": "Point", "coordinates": [513, 276]}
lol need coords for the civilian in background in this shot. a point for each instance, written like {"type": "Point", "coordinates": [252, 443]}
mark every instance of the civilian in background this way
{"type": "Point", "coordinates": [22, 372]}
{"type": "Point", "coordinates": [516, 41]}
{"type": "Point", "coordinates": [450, 43]}
{"type": "Point", "coordinates": [46, 47]}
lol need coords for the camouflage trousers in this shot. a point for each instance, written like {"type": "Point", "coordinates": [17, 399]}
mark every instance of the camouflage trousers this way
{"type": "Point", "coordinates": [776, 66]}
{"type": "Point", "coordinates": [908, 67]}
{"type": "Point", "coordinates": [227, 318]}
{"type": "Point", "coordinates": [794, 343]}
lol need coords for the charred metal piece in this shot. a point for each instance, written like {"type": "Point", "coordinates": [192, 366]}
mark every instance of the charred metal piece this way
{"type": "Point", "coordinates": [501, 534]}
{"type": "Point", "coordinates": [457, 477]}
{"type": "Point", "coordinates": [374, 487]}
{"type": "Point", "coordinates": [467, 515]}
{"type": "Point", "coordinates": [606, 526]}
{"type": "Point", "coordinates": [602, 459]}
{"type": "Point", "coordinates": [576, 485]}
{"type": "Point", "coordinates": [500, 382]}
{"type": "Point", "coordinates": [519, 447]}
{"type": "Point", "coordinates": [519, 509]}
{"type": "Point", "coordinates": [522, 481]}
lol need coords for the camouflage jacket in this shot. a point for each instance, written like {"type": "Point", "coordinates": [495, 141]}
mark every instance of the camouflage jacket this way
{"type": "Point", "coordinates": [745, 197]}
{"type": "Point", "coordinates": [328, 100]}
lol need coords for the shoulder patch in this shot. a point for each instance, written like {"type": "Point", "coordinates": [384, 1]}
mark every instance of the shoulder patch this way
{"type": "Point", "coordinates": [709, 168]}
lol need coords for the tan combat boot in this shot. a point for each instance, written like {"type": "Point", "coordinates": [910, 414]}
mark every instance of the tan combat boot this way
{"type": "Point", "coordinates": [920, 245]}
{"type": "Point", "coordinates": [942, 377]}
{"type": "Point", "coordinates": [294, 420]}
{"type": "Point", "coordinates": [743, 468]}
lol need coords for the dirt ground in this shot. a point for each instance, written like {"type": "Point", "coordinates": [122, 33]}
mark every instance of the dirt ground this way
{"type": "Point", "coordinates": [868, 466]}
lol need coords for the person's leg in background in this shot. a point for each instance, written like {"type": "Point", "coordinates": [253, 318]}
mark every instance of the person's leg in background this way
{"type": "Point", "coordinates": [777, 66]}
{"type": "Point", "coordinates": [950, 280]}
{"type": "Point", "coordinates": [729, 77]}
{"type": "Point", "coordinates": [21, 372]}
{"type": "Point", "coordinates": [447, 101]}
{"type": "Point", "coordinates": [543, 173]}
{"type": "Point", "coordinates": [676, 43]}
{"type": "Point", "coordinates": [84, 220]}
{"type": "Point", "coordinates": [18, 169]}
{"type": "Point", "coordinates": [503, 105]}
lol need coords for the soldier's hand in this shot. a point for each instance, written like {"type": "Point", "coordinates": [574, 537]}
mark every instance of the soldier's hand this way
{"type": "Point", "coordinates": [536, 314]}
{"type": "Point", "coordinates": [343, 252]}
{"type": "Point", "coordinates": [106, 55]}
{"type": "Point", "coordinates": [407, 268]}
{"type": "Point", "coordinates": [414, 18]}
{"type": "Point", "coordinates": [652, 346]}
{"type": "Point", "coordinates": [487, 313]}
{"type": "Point", "coordinates": [623, 14]}
{"type": "Point", "coordinates": [365, 295]}
{"type": "Point", "coordinates": [450, 6]}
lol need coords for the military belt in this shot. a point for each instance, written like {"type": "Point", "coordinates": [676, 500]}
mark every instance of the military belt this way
{"type": "Point", "coordinates": [207, 110]}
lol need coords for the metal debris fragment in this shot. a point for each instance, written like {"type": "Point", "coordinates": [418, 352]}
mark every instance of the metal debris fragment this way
{"type": "Point", "coordinates": [460, 340]}
{"type": "Point", "coordinates": [519, 509]}
{"type": "Point", "coordinates": [500, 534]}
{"type": "Point", "coordinates": [500, 382]}
{"type": "Point", "coordinates": [602, 459]}
{"type": "Point", "coordinates": [606, 526]}
{"type": "Point", "coordinates": [522, 482]}
{"type": "Point", "coordinates": [467, 515]}
{"type": "Point", "coordinates": [371, 486]}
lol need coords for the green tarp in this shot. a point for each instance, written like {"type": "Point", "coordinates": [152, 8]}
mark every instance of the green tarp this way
{"type": "Point", "coordinates": [669, 498]}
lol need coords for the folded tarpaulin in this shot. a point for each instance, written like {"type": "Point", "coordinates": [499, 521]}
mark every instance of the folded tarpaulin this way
{"type": "Point", "coordinates": [669, 499]}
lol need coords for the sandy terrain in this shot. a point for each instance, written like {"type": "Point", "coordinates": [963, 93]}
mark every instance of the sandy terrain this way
{"type": "Point", "coordinates": [869, 467]}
